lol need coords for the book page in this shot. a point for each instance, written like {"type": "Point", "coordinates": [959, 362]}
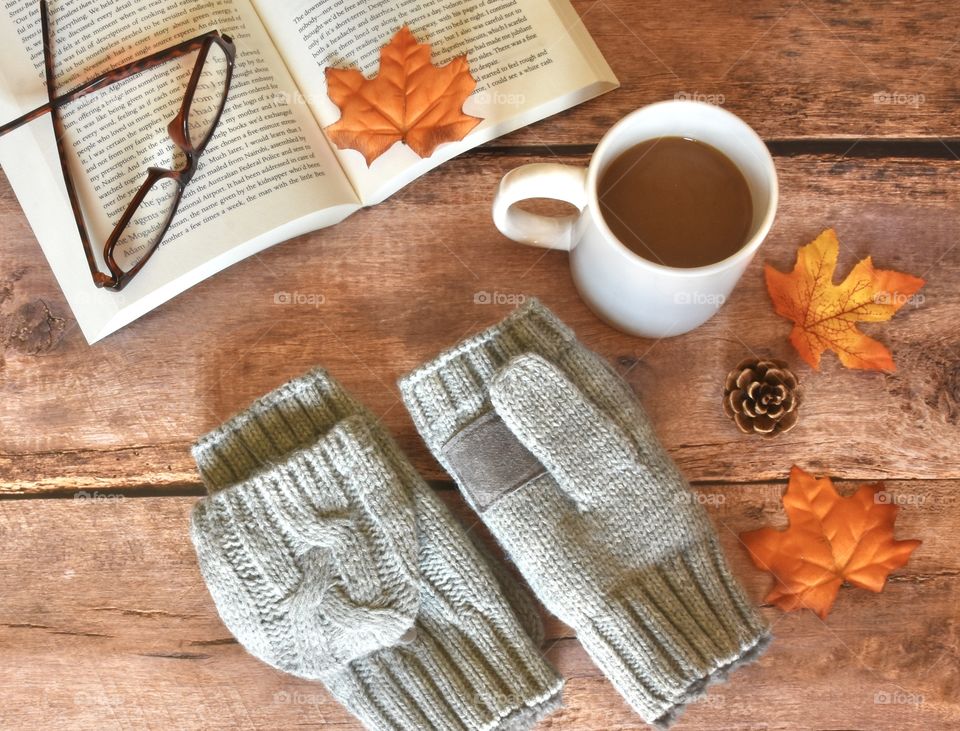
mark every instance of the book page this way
{"type": "Point", "coordinates": [531, 59]}
{"type": "Point", "coordinates": [267, 166]}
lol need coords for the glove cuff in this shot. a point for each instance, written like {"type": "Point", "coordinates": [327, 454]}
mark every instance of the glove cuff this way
{"type": "Point", "coordinates": [672, 629]}
{"type": "Point", "coordinates": [294, 416]}
{"type": "Point", "coordinates": [509, 686]}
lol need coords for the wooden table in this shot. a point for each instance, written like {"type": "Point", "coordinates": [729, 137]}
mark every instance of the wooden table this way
{"type": "Point", "coordinates": [104, 620]}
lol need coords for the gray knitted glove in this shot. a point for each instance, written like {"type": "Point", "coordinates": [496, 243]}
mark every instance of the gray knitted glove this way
{"type": "Point", "coordinates": [554, 452]}
{"type": "Point", "coordinates": [329, 558]}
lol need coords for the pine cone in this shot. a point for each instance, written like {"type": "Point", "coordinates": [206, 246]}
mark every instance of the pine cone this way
{"type": "Point", "coordinates": [762, 397]}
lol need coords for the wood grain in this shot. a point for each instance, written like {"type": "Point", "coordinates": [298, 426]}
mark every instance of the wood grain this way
{"type": "Point", "coordinates": [395, 291]}
{"type": "Point", "coordinates": [792, 69]}
{"type": "Point", "coordinates": [107, 624]}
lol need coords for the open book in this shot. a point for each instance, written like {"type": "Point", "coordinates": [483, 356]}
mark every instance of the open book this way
{"type": "Point", "coordinates": [269, 173]}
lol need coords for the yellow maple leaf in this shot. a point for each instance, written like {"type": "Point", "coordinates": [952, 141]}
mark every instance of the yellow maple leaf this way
{"type": "Point", "coordinates": [830, 539]}
{"type": "Point", "coordinates": [409, 100]}
{"type": "Point", "coordinates": [825, 315]}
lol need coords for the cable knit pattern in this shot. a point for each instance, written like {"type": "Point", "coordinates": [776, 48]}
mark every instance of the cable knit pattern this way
{"type": "Point", "coordinates": [609, 537]}
{"type": "Point", "coordinates": [329, 558]}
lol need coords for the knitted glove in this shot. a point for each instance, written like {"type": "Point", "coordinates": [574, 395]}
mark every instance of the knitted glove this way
{"type": "Point", "coordinates": [329, 558]}
{"type": "Point", "coordinates": [555, 453]}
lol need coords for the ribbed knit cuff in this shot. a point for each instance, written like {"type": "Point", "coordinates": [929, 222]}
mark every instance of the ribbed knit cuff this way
{"type": "Point", "coordinates": [483, 676]}
{"type": "Point", "coordinates": [295, 415]}
{"type": "Point", "coordinates": [672, 630]}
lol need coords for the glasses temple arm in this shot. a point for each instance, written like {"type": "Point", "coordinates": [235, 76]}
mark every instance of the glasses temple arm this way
{"type": "Point", "coordinates": [105, 79]}
{"type": "Point", "coordinates": [59, 133]}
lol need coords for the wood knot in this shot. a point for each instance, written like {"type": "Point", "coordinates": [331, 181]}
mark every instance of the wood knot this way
{"type": "Point", "coordinates": [32, 329]}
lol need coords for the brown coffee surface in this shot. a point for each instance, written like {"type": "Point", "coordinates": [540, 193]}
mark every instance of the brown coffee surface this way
{"type": "Point", "coordinates": [677, 202]}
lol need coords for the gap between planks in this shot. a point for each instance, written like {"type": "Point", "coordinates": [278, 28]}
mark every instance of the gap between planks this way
{"type": "Point", "coordinates": [939, 148]}
{"type": "Point", "coordinates": [196, 489]}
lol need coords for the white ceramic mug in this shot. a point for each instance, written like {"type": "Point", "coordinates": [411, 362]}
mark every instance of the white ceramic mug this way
{"type": "Point", "coordinates": [632, 293]}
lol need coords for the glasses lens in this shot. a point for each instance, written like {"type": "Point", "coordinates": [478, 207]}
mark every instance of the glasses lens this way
{"type": "Point", "coordinates": [142, 233]}
{"type": "Point", "coordinates": [209, 96]}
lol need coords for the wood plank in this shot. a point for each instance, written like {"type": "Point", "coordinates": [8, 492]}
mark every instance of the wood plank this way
{"type": "Point", "coordinates": [404, 280]}
{"type": "Point", "coordinates": [790, 69]}
{"type": "Point", "coordinates": [105, 623]}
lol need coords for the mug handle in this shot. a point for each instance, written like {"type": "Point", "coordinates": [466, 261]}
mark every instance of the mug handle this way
{"type": "Point", "coordinates": [540, 180]}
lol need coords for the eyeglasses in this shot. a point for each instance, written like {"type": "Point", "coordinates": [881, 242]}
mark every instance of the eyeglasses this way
{"type": "Point", "coordinates": [144, 223]}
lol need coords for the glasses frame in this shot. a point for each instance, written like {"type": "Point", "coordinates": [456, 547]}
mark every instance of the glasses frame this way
{"type": "Point", "coordinates": [178, 131]}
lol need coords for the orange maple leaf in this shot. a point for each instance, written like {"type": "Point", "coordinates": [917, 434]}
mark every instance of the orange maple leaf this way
{"type": "Point", "coordinates": [825, 315]}
{"type": "Point", "coordinates": [830, 539]}
{"type": "Point", "coordinates": [409, 100]}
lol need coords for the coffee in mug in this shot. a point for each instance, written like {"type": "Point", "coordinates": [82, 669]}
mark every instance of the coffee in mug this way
{"type": "Point", "coordinates": [676, 201]}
